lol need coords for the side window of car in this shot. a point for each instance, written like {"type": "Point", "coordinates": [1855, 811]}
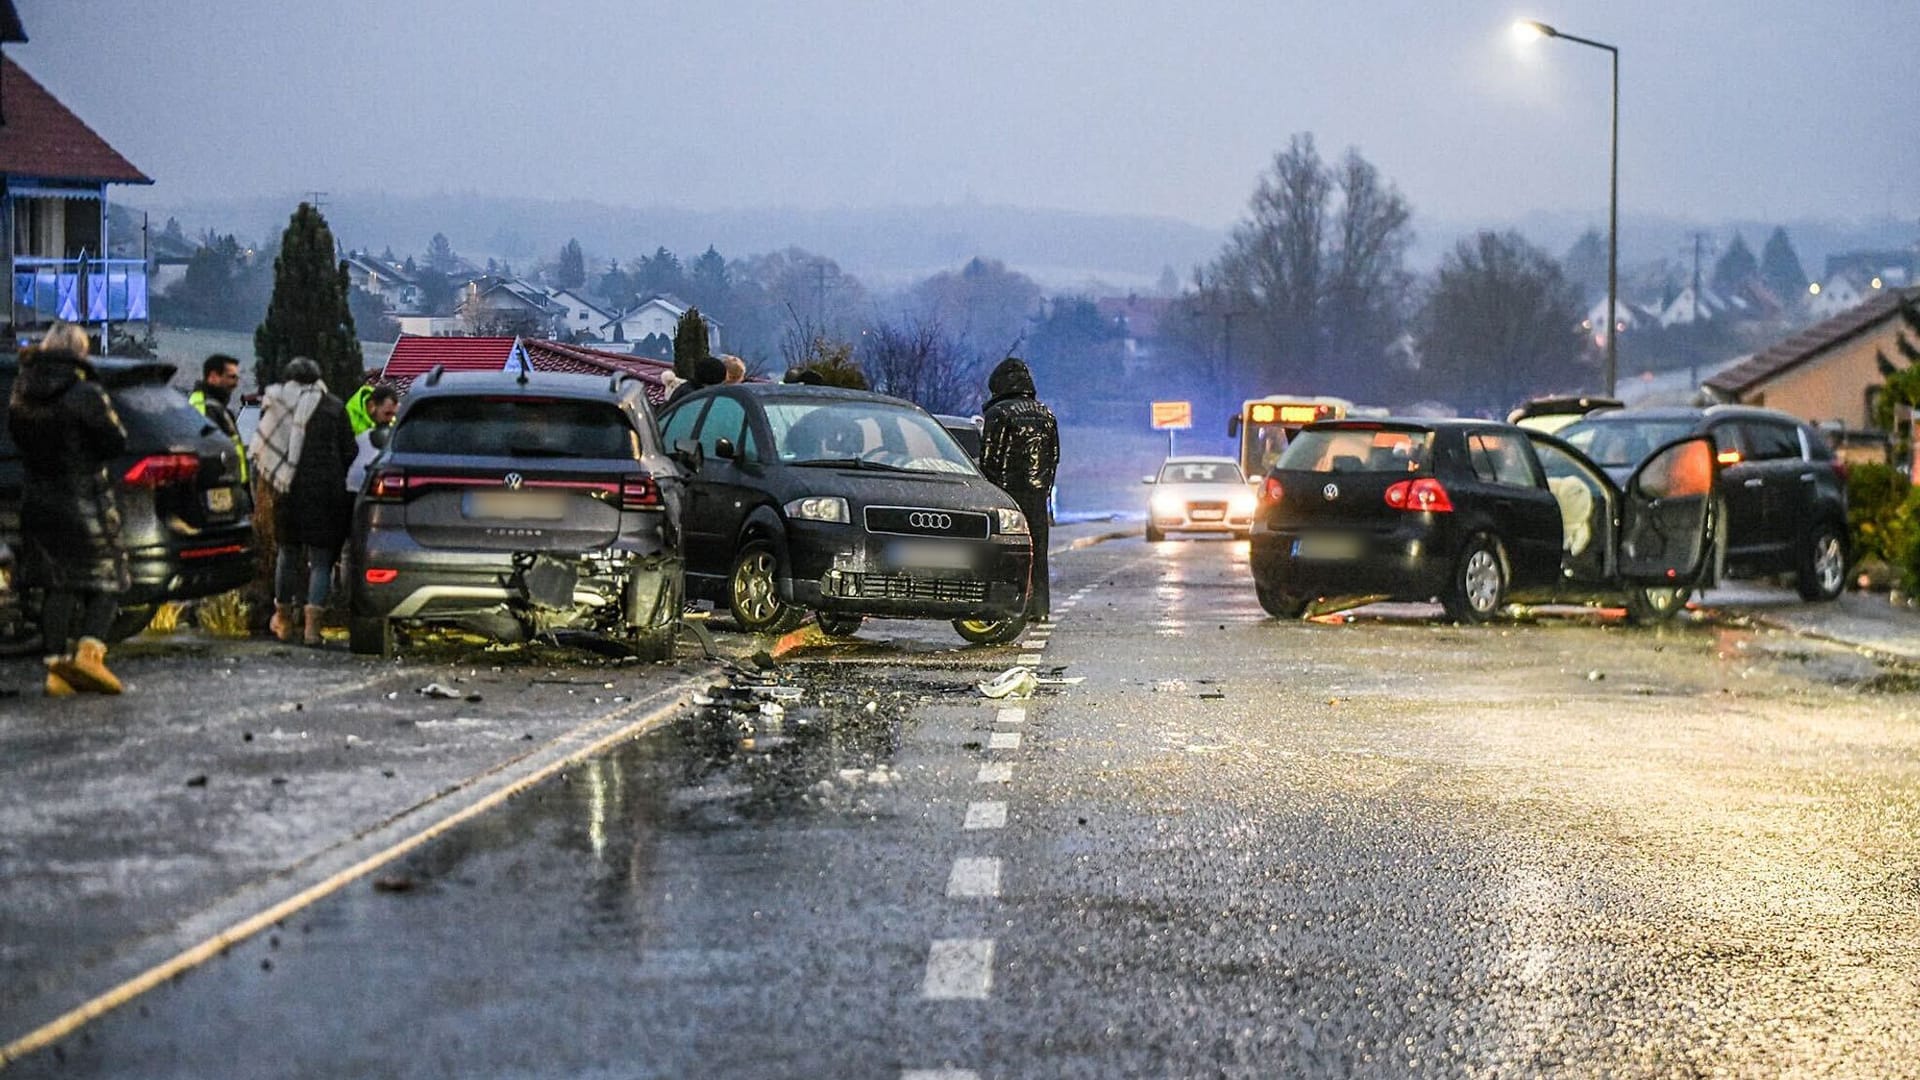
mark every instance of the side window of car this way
{"type": "Point", "coordinates": [1726, 440]}
{"type": "Point", "coordinates": [680, 423]}
{"type": "Point", "coordinates": [1498, 458]}
{"type": "Point", "coordinates": [1769, 441]}
{"type": "Point", "coordinates": [725, 417]}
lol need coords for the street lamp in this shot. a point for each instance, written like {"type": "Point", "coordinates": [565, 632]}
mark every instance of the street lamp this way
{"type": "Point", "coordinates": [1531, 29]}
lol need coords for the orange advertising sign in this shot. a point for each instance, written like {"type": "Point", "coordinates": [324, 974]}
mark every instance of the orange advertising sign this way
{"type": "Point", "coordinates": [1172, 415]}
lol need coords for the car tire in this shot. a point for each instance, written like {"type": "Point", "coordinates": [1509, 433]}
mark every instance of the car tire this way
{"type": "Point", "coordinates": [1478, 588]}
{"type": "Point", "coordinates": [370, 635]}
{"type": "Point", "coordinates": [1821, 572]}
{"type": "Point", "coordinates": [990, 631]}
{"type": "Point", "coordinates": [838, 624]}
{"type": "Point", "coordinates": [129, 621]}
{"type": "Point", "coordinates": [1654, 604]}
{"type": "Point", "coordinates": [1154, 535]}
{"type": "Point", "coordinates": [1279, 604]}
{"type": "Point", "coordinates": [753, 592]}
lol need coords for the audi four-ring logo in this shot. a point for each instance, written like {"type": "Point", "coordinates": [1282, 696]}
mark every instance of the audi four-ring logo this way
{"type": "Point", "coordinates": [924, 519]}
{"type": "Point", "coordinates": [514, 480]}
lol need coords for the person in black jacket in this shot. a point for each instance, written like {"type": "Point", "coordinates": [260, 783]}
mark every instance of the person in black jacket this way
{"type": "Point", "coordinates": [68, 433]}
{"type": "Point", "coordinates": [303, 450]}
{"type": "Point", "coordinates": [1019, 451]}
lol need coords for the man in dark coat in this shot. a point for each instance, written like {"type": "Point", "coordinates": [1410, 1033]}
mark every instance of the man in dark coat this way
{"type": "Point", "coordinates": [1019, 451]}
{"type": "Point", "coordinates": [68, 433]}
{"type": "Point", "coordinates": [303, 449]}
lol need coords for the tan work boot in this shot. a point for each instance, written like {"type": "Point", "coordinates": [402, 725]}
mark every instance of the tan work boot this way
{"type": "Point", "coordinates": [87, 670]}
{"type": "Point", "coordinates": [57, 686]}
{"type": "Point", "coordinates": [282, 623]}
{"type": "Point", "coordinates": [312, 636]}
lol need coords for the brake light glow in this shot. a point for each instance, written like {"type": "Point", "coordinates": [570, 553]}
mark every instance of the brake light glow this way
{"type": "Point", "coordinates": [640, 492]}
{"type": "Point", "coordinates": [1728, 457]}
{"type": "Point", "coordinates": [1270, 491]}
{"type": "Point", "coordinates": [378, 575]}
{"type": "Point", "coordinates": [390, 484]}
{"type": "Point", "coordinates": [1423, 495]}
{"type": "Point", "coordinates": [162, 470]}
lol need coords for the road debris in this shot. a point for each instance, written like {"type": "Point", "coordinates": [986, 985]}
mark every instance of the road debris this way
{"type": "Point", "coordinates": [1014, 683]}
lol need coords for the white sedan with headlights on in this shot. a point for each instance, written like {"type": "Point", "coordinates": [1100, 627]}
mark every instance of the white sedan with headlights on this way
{"type": "Point", "coordinates": [1199, 494]}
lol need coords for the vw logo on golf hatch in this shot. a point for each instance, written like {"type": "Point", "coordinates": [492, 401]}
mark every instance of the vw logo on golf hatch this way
{"type": "Point", "coordinates": [1331, 491]}
{"type": "Point", "coordinates": [514, 480]}
{"type": "Point", "coordinates": [927, 519]}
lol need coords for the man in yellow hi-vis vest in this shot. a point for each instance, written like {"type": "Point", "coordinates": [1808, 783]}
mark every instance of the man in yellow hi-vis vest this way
{"type": "Point", "coordinates": [219, 377]}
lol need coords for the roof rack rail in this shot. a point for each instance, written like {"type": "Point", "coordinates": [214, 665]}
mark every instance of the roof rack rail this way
{"type": "Point", "coordinates": [434, 373]}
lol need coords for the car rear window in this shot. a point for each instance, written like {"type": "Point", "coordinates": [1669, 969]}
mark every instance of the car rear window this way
{"type": "Point", "coordinates": [157, 416]}
{"type": "Point", "coordinates": [1344, 450]}
{"type": "Point", "coordinates": [516, 427]}
{"type": "Point", "coordinates": [1620, 443]}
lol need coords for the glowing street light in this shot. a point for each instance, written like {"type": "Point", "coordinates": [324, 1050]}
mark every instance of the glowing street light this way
{"type": "Point", "coordinates": [1531, 30]}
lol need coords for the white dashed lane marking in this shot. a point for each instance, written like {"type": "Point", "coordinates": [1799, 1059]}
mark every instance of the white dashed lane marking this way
{"type": "Point", "coordinates": [959, 969]}
{"type": "Point", "coordinates": [994, 774]}
{"type": "Point", "coordinates": [1004, 740]}
{"type": "Point", "coordinates": [1027, 658]}
{"type": "Point", "coordinates": [974, 876]}
{"type": "Point", "coordinates": [1012, 714]}
{"type": "Point", "coordinates": [986, 815]}
{"type": "Point", "coordinates": [939, 1074]}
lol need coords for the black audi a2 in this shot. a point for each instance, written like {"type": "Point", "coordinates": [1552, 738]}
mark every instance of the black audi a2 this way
{"type": "Point", "coordinates": [1477, 513]}
{"type": "Point", "coordinates": [845, 503]}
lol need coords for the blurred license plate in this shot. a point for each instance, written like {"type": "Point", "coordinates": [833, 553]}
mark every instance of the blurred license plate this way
{"type": "Point", "coordinates": [220, 500]}
{"type": "Point", "coordinates": [1209, 515]}
{"type": "Point", "coordinates": [514, 505]}
{"type": "Point", "coordinates": [930, 556]}
{"type": "Point", "coordinates": [1327, 547]}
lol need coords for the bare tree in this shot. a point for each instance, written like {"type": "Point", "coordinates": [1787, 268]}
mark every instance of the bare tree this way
{"type": "Point", "coordinates": [915, 359]}
{"type": "Point", "coordinates": [1501, 322]}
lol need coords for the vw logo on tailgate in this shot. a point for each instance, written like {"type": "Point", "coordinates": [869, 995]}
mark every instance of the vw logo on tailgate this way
{"type": "Point", "coordinates": [1331, 491]}
{"type": "Point", "coordinates": [926, 521]}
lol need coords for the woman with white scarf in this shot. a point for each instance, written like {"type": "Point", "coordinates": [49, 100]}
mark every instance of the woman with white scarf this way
{"type": "Point", "coordinates": [302, 450]}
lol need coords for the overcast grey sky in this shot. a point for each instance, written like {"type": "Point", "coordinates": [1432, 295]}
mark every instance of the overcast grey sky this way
{"type": "Point", "coordinates": [1767, 109]}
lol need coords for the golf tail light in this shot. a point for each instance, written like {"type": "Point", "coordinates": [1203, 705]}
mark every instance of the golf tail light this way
{"type": "Point", "coordinates": [389, 485]}
{"type": "Point", "coordinates": [1270, 490]}
{"type": "Point", "coordinates": [377, 575]}
{"type": "Point", "coordinates": [1423, 495]}
{"type": "Point", "coordinates": [162, 470]}
{"type": "Point", "coordinates": [640, 492]}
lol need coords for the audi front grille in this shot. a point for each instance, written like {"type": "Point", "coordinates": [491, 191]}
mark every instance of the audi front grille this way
{"type": "Point", "coordinates": [928, 521]}
{"type": "Point", "coordinates": [905, 587]}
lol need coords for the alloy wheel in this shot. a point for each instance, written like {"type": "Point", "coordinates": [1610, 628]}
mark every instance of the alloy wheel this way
{"type": "Point", "coordinates": [754, 592]}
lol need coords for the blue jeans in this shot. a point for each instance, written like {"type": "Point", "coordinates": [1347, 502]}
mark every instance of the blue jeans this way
{"type": "Point", "coordinates": [286, 573]}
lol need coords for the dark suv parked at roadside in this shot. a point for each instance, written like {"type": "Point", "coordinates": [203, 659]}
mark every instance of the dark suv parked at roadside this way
{"type": "Point", "coordinates": [1783, 498]}
{"type": "Point", "coordinates": [185, 517]}
{"type": "Point", "coordinates": [516, 504]}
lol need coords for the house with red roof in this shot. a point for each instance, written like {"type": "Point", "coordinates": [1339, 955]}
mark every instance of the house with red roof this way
{"type": "Point", "coordinates": [414, 356]}
{"type": "Point", "coordinates": [54, 175]}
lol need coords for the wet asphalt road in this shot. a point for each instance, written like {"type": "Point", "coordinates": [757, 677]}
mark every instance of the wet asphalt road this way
{"type": "Point", "coordinates": [1383, 846]}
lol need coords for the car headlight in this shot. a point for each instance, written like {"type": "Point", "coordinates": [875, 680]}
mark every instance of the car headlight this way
{"type": "Point", "coordinates": [1011, 522]}
{"type": "Point", "coordinates": [1242, 504]}
{"type": "Point", "coordinates": [819, 508]}
{"type": "Point", "coordinates": [1168, 505]}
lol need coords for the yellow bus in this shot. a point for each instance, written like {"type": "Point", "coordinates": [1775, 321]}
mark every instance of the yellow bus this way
{"type": "Point", "coordinates": [1265, 425]}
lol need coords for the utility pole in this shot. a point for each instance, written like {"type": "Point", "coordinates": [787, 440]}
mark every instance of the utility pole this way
{"type": "Point", "coordinates": [1700, 240]}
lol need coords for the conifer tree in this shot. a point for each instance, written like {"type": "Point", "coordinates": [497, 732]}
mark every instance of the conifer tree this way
{"type": "Point", "coordinates": [1903, 379]}
{"type": "Point", "coordinates": [1735, 268]}
{"type": "Point", "coordinates": [309, 313]}
{"type": "Point", "coordinates": [1780, 268]}
{"type": "Point", "coordinates": [572, 272]}
{"type": "Point", "coordinates": [689, 342]}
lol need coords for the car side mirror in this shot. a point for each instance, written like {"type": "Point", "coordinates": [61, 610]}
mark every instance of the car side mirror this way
{"type": "Point", "coordinates": [1146, 479]}
{"type": "Point", "coordinates": [688, 453]}
{"type": "Point", "coordinates": [723, 449]}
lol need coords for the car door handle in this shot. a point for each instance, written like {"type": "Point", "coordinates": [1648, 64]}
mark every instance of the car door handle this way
{"type": "Point", "coordinates": [1755, 482]}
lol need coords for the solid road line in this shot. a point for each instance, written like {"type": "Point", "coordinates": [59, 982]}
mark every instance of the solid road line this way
{"type": "Point", "coordinates": [486, 791]}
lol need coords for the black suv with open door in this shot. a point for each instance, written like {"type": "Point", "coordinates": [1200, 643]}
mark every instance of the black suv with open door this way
{"type": "Point", "coordinates": [185, 516]}
{"type": "Point", "coordinates": [517, 504]}
{"type": "Point", "coordinates": [1782, 497]}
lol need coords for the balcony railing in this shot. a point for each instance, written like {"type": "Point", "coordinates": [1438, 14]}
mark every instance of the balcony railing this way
{"type": "Point", "coordinates": [78, 290]}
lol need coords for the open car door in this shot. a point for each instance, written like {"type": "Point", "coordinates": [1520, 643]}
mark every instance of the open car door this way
{"type": "Point", "coordinates": [1666, 515]}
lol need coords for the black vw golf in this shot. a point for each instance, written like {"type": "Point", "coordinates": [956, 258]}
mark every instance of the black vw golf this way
{"type": "Point", "coordinates": [846, 503]}
{"type": "Point", "coordinates": [1476, 514]}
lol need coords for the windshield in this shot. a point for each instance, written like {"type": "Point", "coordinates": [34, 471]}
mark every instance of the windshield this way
{"type": "Point", "coordinates": [1201, 472]}
{"type": "Point", "coordinates": [1621, 443]}
{"type": "Point", "coordinates": [1344, 450]}
{"type": "Point", "coordinates": [874, 432]}
{"type": "Point", "coordinates": [517, 427]}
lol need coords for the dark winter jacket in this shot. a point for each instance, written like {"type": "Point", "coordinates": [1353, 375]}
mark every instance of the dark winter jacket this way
{"type": "Point", "coordinates": [317, 508]}
{"type": "Point", "coordinates": [1020, 442]}
{"type": "Point", "coordinates": [68, 434]}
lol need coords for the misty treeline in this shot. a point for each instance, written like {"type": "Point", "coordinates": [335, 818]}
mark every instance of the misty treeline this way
{"type": "Point", "coordinates": [1310, 294]}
